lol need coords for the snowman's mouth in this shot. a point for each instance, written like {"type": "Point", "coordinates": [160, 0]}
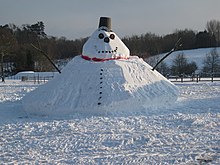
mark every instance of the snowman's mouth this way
{"type": "Point", "coordinates": [108, 51]}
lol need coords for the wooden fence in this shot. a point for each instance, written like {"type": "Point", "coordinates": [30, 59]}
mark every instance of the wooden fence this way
{"type": "Point", "coordinates": [194, 78]}
{"type": "Point", "coordinates": [37, 79]}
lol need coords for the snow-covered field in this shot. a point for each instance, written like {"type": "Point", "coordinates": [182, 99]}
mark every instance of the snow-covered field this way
{"type": "Point", "coordinates": [186, 132]}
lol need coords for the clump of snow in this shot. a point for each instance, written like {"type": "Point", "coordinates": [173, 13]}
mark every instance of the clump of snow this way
{"type": "Point", "coordinates": [14, 90]}
{"type": "Point", "coordinates": [101, 87]}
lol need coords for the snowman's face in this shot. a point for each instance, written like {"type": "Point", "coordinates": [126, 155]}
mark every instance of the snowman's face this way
{"type": "Point", "coordinates": [105, 44]}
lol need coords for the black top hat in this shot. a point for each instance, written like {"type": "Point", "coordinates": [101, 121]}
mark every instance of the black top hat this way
{"type": "Point", "coordinates": [106, 22]}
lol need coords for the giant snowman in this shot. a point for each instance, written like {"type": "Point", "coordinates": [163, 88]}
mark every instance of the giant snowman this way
{"type": "Point", "coordinates": [105, 78]}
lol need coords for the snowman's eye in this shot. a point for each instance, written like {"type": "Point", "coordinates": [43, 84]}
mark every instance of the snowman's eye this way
{"type": "Point", "coordinates": [112, 36]}
{"type": "Point", "coordinates": [101, 36]}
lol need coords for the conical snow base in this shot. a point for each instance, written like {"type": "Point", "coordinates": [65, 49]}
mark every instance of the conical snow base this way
{"type": "Point", "coordinates": [100, 87]}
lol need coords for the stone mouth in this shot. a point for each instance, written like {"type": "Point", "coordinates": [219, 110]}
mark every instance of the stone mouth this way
{"type": "Point", "coordinates": [108, 51]}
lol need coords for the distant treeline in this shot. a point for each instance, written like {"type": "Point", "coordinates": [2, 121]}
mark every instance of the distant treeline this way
{"type": "Point", "coordinates": [150, 44]}
{"type": "Point", "coordinates": [16, 45]}
{"type": "Point", "coordinates": [16, 49]}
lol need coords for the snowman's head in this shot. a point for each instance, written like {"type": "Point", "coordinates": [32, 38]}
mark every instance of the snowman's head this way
{"type": "Point", "coordinates": [104, 44]}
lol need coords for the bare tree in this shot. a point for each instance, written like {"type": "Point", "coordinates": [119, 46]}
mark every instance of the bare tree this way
{"type": "Point", "coordinates": [181, 66]}
{"type": "Point", "coordinates": [212, 62]}
{"type": "Point", "coordinates": [213, 27]}
{"type": "Point", "coordinates": [7, 43]}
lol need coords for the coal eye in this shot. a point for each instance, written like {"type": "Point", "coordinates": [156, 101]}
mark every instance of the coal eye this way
{"type": "Point", "coordinates": [101, 36]}
{"type": "Point", "coordinates": [112, 36]}
{"type": "Point", "coordinates": [106, 40]}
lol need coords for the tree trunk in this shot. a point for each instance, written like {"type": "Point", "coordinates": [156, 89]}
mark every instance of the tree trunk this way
{"type": "Point", "coordinates": [2, 69]}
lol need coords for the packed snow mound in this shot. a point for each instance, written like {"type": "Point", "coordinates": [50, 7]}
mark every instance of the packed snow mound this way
{"type": "Point", "coordinates": [99, 87]}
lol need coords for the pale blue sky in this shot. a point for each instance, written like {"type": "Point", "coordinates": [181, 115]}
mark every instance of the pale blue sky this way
{"type": "Point", "coordinates": [79, 18]}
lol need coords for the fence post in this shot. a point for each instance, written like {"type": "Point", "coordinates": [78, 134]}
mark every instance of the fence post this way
{"type": "Point", "coordinates": [181, 77]}
{"type": "Point", "coordinates": [212, 77]}
{"type": "Point", "coordinates": [38, 78]}
{"type": "Point", "coordinates": [34, 79]}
